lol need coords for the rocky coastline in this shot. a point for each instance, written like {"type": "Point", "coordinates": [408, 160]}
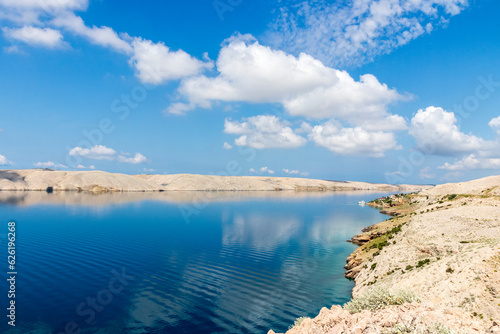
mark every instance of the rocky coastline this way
{"type": "Point", "coordinates": [441, 247]}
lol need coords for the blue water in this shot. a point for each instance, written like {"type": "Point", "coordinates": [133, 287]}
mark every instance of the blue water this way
{"type": "Point", "coordinates": [153, 264]}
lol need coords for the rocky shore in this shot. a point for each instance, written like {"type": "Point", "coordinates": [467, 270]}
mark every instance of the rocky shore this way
{"type": "Point", "coordinates": [434, 267]}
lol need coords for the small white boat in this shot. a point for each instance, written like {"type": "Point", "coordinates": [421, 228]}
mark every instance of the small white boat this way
{"type": "Point", "coordinates": [362, 203]}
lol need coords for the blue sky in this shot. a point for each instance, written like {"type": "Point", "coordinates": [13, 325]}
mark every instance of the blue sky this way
{"type": "Point", "coordinates": [393, 91]}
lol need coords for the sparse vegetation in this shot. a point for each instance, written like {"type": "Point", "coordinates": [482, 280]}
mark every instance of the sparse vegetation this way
{"type": "Point", "coordinates": [423, 263]}
{"type": "Point", "coordinates": [438, 328]}
{"type": "Point", "coordinates": [452, 197]}
{"type": "Point", "coordinates": [298, 321]}
{"type": "Point", "coordinates": [379, 298]}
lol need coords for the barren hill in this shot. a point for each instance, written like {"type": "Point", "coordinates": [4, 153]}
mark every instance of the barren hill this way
{"type": "Point", "coordinates": [98, 181]}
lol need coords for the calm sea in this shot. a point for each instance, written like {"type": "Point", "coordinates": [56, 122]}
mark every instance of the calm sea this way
{"type": "Point", "coordinates": [177, 262]}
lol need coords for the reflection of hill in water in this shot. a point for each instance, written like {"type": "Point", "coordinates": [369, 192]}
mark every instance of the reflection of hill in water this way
{"type": "Point", "coordinates": [27, 198]}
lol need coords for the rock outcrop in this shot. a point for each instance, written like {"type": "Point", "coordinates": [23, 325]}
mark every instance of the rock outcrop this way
{"type": "Point", "coordinates": [446, 250]}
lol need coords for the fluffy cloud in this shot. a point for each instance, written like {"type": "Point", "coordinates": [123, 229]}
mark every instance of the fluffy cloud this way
{"type": "Point", "coordinates": [436, 132]}
{"type": "Point", "coordinates": [83, 167]}
{"type": "Point", "coordinates": [97, 152]}
{"type": "Point", "coordinates": [263, 131]}
{"type": "Point", "coordinates": [262, 170]}
{"type": "Point", "coordinates": [266, 131]}
{"type": "Point", "coordinates": [46, 4]}
{"type": "Point", "coordinates": [472, 162]}
{"type": "Point", "coordinates": [349, 33]}
{"type": "Point", "coordinates": [495, 124]}
{"type": "Point", "coordinates": [227, 146]}
{"type": "Point", "coordinates": [251, 72]}
{"type": "Point", "coordinates": [33, 11]}
{"type": "Point", "coordinates": [155, 63]}
{"type": "Point", "coordinates": [100, 152]}
{"type": "Point", "coordinates": [353, 141]}
{"type": "Point", "coordinates": [49, 164]}
{"type": "Point", "coordinates": [136, 159]}
{"type": "Point", "coordinates": [45, 37]}
{"type": "Point", "coordinates": [4, 161]}
{"type": "Point", "coordinates": [103, 36]}
{"type": "Point", "coordinates": [293, 172]}
{"type": "Point", "coordinates": [266, 170]}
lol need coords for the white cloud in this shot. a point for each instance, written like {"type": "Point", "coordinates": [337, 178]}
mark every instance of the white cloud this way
{"type": "Point", "coordinates": [178, 108]}
{"type": "Point", "coordinates": [100, 152]}
{"type": "Point", "coordinates": [227, 146]}
{"type": "Point", "coordinates": [24, 12]}
{"type": "Point", "coordinates": [46, 4]}
{"type": "Point", "coordinates": [495, 124]}
{"type": "Point", "coordinates": [436, 132]}
{"type": "Point", "coordinates": [103, 36]}
{"type": "Point", "coordinates": [44, 37]}
{"type": "Point", "coordinates": [294, 172]}
{"type": "Point", "coordinates": [262, 132]}
{"type": "Point", "coordinates": [353, 141]}
{"type": "Point", "coordinates": [83, 167]}
{"type": "Point", "coordinates": [264, 170]}
{"type": "Point", "coordinates": [97, 152]}
{"type": "Point", "coordinates": [49, 164]}
{"type": "Point", "coordinates": [155, 63]}
{"type": "Point", "coordinates": [350, 33]}
{"type": "Point", "coordinates": [136, 159]}
{"type": "Point", "coordinates": [471, 162]}
{"type": "Point", "coordinates": [4, 161]}
{"type": "Point", "coordinates": [149, 170]}
{"type": "Point", "coordinates": [250, 72]}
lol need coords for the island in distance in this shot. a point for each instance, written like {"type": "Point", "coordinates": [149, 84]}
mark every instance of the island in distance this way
{"type": "Point", "coordinates": [99, 181]}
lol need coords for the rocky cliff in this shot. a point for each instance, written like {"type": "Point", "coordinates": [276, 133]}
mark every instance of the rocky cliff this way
{"type": "Point", "coordinates": [444, 247]}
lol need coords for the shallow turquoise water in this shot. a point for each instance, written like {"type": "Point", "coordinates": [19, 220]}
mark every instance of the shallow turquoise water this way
{"type": "Point", "coordinates": [178, 263]}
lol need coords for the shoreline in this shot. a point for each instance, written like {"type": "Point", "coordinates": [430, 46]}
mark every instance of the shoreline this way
{"type": "Point", "coordinates": [101, 182]}
{"type": "Point", "coordinates": [434, 267]}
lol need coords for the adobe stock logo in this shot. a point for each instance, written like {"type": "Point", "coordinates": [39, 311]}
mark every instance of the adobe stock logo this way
{"type": "Point", "coordinates": [223, 6]}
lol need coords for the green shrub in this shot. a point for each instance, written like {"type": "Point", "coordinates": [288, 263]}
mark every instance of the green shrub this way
{"type": "Point", "coordinates": [379, 298]}
{"type": "Point", "coordinates": [373, 266]}
{"type": "Point", "coordinates": [422, 263]}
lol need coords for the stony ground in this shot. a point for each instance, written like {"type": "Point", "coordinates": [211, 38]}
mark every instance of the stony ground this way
{"type": "Point", "coordinates": [446, 250]}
